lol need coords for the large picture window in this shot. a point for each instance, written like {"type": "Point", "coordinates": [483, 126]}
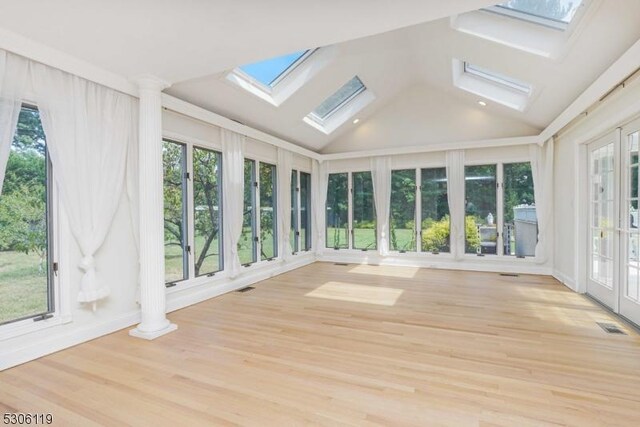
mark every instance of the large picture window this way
{"type": "Point", "coordinates": [403, 211]}
{"type": "Point", "coordinates": [192, 211]}
{"type": "Point", "coordinates": [268, 206]}
{"type": "Point", "coordinates": [207, 186]}
{"type": "Point", "coordinates": [247, 247]}
{"type": "Point", "coordinates": [337, 212]}
{"type": "Point", "coordinates": [481, 230]}
{"type": "Point", "coordinates": [520, 221]}
{"type": "Point", "coordinates": [305, 211]}
{"type": "Point", "coordinates": [176, 261]}
{"type": "Point", "coordinates": [364, 212]}
{"type": "Point", "coordinates": [435, 210]}
{"type": "Point", "coordinates": [26, 283]}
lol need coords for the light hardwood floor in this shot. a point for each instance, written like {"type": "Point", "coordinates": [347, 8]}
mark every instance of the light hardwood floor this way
{"type": "Point", "coordinates": [353, 345]}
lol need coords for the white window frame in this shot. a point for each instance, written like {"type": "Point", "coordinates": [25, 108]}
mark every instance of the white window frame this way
{"type": "Point", "coordinates": [58, 251]}
{"type": "Point", "coordinates": [298, 214]}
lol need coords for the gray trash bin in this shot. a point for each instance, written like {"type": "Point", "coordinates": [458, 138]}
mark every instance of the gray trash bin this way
{"type": "Point", "coordinates": [526, 229]}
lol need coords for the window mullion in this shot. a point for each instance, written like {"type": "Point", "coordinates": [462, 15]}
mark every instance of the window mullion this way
{"type": "Point", "coordinates": [500, 208]}
{"type": "Point", "coordinates": [418, 213]}
{"type": "Point", "coordinates": [256, 211]}
{"type": "Point", "coordinates": [190, 211]}
{"type": "Point", "coordinates": [350, 208]}
{"type": "Point", "coordinates": [298, 212]}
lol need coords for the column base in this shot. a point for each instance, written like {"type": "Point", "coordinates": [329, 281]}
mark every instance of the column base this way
{"type": "Point", "coordinates": [153, 335]}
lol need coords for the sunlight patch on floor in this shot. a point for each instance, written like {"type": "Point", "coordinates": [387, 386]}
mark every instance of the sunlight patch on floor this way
{"type": "Point", "coordinates": [403, 273]}
{"type": "Point", "coordinates": [376, 295]}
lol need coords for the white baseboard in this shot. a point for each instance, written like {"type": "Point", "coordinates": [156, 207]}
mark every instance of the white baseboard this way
{"type": "Point", "coordinates": [59, 339]}
{"type": "Point", "coordinates": [444, 261]}
{"type": "Point", "coordinates": [565, 280]}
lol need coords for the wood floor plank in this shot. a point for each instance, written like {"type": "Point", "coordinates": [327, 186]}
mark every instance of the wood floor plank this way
{"type": "Point", "coordinates": [354, 345]}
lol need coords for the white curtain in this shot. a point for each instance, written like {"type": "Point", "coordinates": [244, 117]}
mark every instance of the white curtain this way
{"type": "Point", "coordinates": [381, 176]}
{"type": "Point", "coordinates": [542, 172]}
{"type": "Point", "coordinates": [13, 78]}
{"type": "Point", "coordinates": [455, 195]}
{"type": "Point", "coordinates": [132, 185]}
{"type": "Point", "coordinates": [88, 130]}
{"type": "Point", "coordinates": [320, 180]}
{"type": "Point", "coordinates": [232, 197]}
{"type": "Point", "coordinates": [285, 165]}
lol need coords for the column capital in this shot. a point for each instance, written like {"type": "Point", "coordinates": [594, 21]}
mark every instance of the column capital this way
{"type": "Point", "coordinates": [151, 82]}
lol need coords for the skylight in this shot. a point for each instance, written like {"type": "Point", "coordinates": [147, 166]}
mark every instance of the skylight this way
{"type": "Point", "coordinates": [498, 78]}
{"type": "Point", "coordinates": [342, 96]}
{"type": "Point", "coordinates": [269, 72]}
{"type": "Point", "coordinates": [553, 13]}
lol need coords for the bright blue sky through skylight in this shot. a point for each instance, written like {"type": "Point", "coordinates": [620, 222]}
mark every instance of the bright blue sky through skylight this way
{"type": "Point", "coordinates": [268, 71]}
{"type": "Point", "coordinates": [558, 10]}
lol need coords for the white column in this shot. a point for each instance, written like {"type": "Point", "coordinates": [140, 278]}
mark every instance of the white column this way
{"type": "Point", "coordinates": [154, 321]}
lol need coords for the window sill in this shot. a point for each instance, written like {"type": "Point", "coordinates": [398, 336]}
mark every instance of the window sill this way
{"type": "Point", "coordinates": [28, 326]}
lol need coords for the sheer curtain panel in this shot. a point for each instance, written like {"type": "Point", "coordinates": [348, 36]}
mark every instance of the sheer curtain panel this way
{"type": "Point", "coordinates": [88, 129]}
{"type": "Point", "coordinates": [13, 78]}
{"type": "Point", "coordinates": [381, 174]}
{"type": "Point", "coordinates": [455, 196]}
{"type": "Point", "coordinates": [542, 173]}
{"type": "Point", "coordinates": [285, 161]}
{"type": "Point", "coordinates": [232, 197]}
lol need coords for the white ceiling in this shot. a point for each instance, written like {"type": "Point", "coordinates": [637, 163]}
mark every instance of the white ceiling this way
{"type": "Point", "coordinates": [402, 50]}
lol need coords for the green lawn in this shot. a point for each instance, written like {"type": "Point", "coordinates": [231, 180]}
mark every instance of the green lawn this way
{"type": "Point", "coordinates": [366, 239]}
{"type": "Point", "coordinates": [23, 288]}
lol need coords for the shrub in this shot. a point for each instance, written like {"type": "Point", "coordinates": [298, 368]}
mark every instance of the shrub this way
{"type": "Point", "coordinates": [435, 235]}
{"type": "Point", "coordinates": [471, 234]}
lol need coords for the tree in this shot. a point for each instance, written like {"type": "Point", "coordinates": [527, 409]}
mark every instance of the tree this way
{"type": "Point", "coordinates": [206, 199]}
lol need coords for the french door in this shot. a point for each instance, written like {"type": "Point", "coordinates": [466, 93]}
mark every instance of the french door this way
{"type": "Point", "coordinates": [614, 233]}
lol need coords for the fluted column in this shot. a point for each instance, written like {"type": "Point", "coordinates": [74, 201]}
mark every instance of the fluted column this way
{"type": "Point", "coordinates": [154, 321]}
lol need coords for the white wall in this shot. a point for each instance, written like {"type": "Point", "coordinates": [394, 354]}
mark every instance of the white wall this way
{"type": "Point", "coordinates": [424, 115]}
{"type": "Point", "coordinates": [619, 108]}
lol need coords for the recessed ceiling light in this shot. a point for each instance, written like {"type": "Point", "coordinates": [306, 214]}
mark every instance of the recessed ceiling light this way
{"type": "Point", "coordinates": [355, 122]}
{"type": "Point", "coordinates": [484, 104]}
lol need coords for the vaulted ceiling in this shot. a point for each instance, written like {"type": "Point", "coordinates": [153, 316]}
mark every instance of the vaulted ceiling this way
{"type": "Point", "coordinates": [402, 50]}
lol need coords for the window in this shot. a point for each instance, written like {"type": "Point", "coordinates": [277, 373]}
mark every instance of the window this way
{"type": "Point", "coordinates": [342, 96]}
{"type": "Point", "coordinates": [294, 212]}
{"type": "Point", "coordinates": [305, 211]}
{"type": "Point", "coordinates": [176, 260]}
{"type": "Point", "coordinates": [26, 282]}
{"type": "Point", "coordinates": [300, 211]}
{"type": "Point", "coordinates": [481, 231]}
{"type": "Point", "coordinates": [552, 13]}
{"type": "Point", "coordinates": [337, 211]}
{"type": "Point", "coordinates": [435, 224]}
{"type": "Point", "coordinates": [271, 71]}
{"type": "Point", "coordinates": [247, 247]}
{"type": "Point", "coordinates": [191, 249]}
{"type": "Point", "coordinates": [520, 231]}
{"type": "Point", "coordinates": [268, 206]}
{"type": "Point", "coordinates": [403, 210]}
{"type": "Point", "coordinates": [364, 212]}
{"type": "Point", "coordinates": [501, 79]}
{"type": "Point", "coordinates": [207, 188]}
{"type": "Point", "coordinates": [259, 229]}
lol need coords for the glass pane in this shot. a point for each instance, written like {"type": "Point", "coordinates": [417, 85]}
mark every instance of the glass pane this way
{"type": "Point", "coordinates": [268, 233]}
{"type": "Point", "coordinates": [175, 212]}
{"type": "Point", "coordinates": [403, 211]}
{"type": "Point", "coordinates": [268, 72]}
{"type": "Point", "coordinates": [497, 77]}
{"type": "Point", "coordinates": [207, 213]}
{"type": "Point", "coordinates": [337, 211]}
{"type": "Point", "coordinates": [520, 234]}
{"type": "Point", "coordinates": [247, 244]}
{"type": "Point", "coordinates": [305, 211]}
{"type": "Point", "coordinates": [480, 209]}
{"type": "Point", "coordinates": [557, 10]}
{"type": "Point", "coordinates": [364, 212]}
{"type": "Point", "coordinates": [435, 210]}
{"type": "Point", "coordinates": [24, 267]}
{"type": "Point", "coordinates": [344, 94]}
{"type": "Point", "coordinates": [294, 211]}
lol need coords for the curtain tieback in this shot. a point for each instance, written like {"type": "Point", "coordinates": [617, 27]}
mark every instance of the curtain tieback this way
{"type": "Point", "coordinates": [87, 263]}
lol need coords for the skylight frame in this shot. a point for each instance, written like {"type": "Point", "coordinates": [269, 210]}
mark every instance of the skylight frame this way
{"type": "Point", "coordinates": [283, 75]}
{"type": "Point", "coordinates": [497, 78]}
{"type": "Point", "coordinates": [556, 24]}
{"type": "Point", "coordinates": [322, 119]}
